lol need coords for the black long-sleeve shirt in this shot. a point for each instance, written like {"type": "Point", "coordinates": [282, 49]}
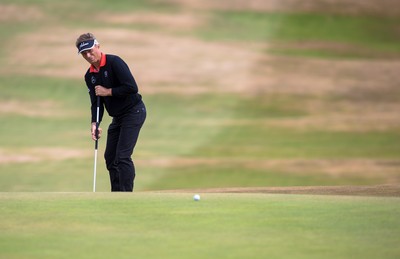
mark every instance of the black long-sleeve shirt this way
{"type": "Point", "coordinates": [114, 73]}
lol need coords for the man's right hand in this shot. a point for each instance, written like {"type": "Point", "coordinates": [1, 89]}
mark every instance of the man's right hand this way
{"type": "Point", "coordinates": [94, 131]}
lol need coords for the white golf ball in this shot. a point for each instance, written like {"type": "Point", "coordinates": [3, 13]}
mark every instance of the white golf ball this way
{"type": "Point", "coordinates": [196, 197]}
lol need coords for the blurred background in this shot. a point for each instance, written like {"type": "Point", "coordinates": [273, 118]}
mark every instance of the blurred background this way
{"type": "Point", "coordinates": [240, 93]}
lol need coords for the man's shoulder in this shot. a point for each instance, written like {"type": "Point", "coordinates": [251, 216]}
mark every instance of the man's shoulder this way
{"type": "Point", "coordinates": [114, 60]}
{"type": "Point", "coordinates": [112, 57]}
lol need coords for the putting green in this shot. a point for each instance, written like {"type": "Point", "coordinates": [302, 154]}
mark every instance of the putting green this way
{"type": "Point", "coordinates": [160, 225]}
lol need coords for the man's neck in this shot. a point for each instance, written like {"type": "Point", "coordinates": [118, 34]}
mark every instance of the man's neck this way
{"type": "Point", "coordinates": [96, 65]}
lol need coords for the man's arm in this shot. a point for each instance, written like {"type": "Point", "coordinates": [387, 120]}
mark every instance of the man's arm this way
{"type": "Point", "coordinates": [93, 101]}
{"type": "Point", "coordinates": [123, 74]}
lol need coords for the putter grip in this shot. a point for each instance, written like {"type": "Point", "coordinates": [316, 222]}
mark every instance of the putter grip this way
{"type": "Point", "coordinates": [97, 135]}
{"type": "Point", "coordinates": [97, 122]}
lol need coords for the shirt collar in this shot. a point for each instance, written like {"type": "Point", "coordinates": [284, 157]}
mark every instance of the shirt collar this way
{"type": "Point", "coordinates": [93, 69]}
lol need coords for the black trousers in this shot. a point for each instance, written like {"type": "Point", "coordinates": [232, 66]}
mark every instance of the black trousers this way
{"type": "Point", "coordinates": [122, 136]}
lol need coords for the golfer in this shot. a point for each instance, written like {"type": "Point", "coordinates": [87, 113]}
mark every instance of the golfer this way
{"type": "Point", "coordinates": [110, 78]}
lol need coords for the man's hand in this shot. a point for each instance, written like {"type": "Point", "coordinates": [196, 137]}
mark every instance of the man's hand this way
{"type": "Point", "coordinates": [102, 91]}
{"type": "Point", "coordinates": [94, 131]}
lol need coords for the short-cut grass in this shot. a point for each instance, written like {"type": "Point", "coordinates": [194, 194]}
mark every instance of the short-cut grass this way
{"type": "Point", "coordinates": [160, 225]}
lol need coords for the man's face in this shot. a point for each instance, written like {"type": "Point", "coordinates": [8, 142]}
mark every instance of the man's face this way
{"type": "Point", "coordinates": [93, 55]}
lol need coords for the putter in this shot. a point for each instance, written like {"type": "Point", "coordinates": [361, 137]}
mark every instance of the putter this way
{"type": "Point", "coordinates": [96, 143]}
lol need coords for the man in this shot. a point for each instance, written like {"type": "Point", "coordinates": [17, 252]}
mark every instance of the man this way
{"type": "Point", "coordinates": [110, 78]}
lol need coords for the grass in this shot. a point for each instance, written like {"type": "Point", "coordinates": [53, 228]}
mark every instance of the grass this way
{"type": "Point", "coordinates": [200, 127]}
{"type": "Point", "coordinates": [224, 174]}
{"type": "Point", "coordinates": [119, 6]}
{"type": "Point", "coordinates": [377, 34]}
{"type": "Point", "coordinates": [272, 142]}
{"type": "Point", "coordinates": [155, 225]}
{"type": "Point", "coordinates": [195, 141]}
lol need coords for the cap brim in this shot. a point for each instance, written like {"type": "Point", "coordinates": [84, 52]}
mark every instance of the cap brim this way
{"type": "Point", "coordinates": [86, 45]}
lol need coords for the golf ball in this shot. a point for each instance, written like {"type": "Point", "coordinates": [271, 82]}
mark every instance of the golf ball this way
{"type": "Point", "coordinates": [196, 197]}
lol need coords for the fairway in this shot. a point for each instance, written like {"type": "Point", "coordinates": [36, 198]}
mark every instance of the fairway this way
{"type": "Point", "coordinates": [252, 94]}
{"type": "Point", "coordinates": [160, 225]}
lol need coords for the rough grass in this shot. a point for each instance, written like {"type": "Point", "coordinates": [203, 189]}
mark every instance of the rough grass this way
{"type": "Point", "coordinates": [230, 103]}
{"type": "Point", "coordinates": [199, 141]}
{"type": "Point", "coordinates": [332, 35]}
